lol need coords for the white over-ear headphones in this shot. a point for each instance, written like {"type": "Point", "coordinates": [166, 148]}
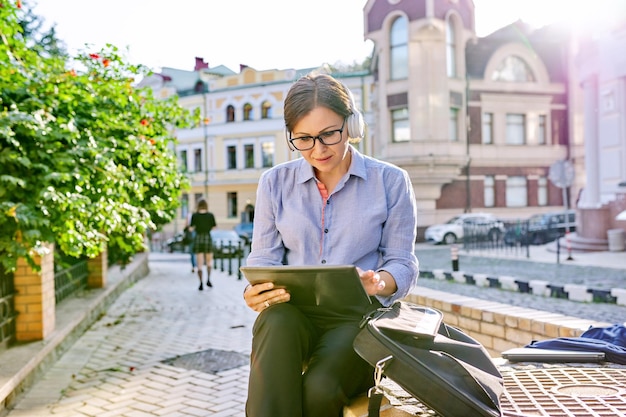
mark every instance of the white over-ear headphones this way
{"type": "Point", "coordinates": [354, 122]}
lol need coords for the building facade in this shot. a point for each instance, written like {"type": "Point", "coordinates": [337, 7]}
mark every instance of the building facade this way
{"type": "Point", "coordinates": [241, 134]}
{"type": "Point", "coordinates": [602, 202]}
{"type": "Point", "coordinates": [479, 123]}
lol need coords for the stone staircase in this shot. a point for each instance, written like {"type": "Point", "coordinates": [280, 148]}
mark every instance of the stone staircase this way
{"type": "Point", "coordinates": [580, 244]}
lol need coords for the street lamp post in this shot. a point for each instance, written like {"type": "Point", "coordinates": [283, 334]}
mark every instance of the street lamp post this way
{"type": "Point", "coordinates": [205, 122]}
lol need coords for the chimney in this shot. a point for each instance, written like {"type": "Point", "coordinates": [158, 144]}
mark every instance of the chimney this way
{"type": "Point", "coordinates": [200, 64]}
{"type": "Point", "coordinates": [242, 67]}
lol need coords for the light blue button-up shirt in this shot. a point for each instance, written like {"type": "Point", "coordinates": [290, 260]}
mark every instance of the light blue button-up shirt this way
{"type": "Point", "coordinates": [369, 220]}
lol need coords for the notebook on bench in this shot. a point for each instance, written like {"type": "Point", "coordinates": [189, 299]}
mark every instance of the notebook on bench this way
{"type": "Point", "coordinates": [551, 355]}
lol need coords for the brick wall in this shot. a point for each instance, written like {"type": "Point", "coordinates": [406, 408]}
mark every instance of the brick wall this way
{"type": "Point", "coordinates": [500, 326]}
{"type": "Point", "coordinates": [34, 297]}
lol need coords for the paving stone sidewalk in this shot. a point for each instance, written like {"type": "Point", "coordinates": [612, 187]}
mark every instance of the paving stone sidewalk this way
{"type": "Point", "coordinates": [145, 357]}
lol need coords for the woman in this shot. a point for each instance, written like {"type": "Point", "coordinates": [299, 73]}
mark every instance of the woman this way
{"type": "Point", "coordinates": [333, 206]}
{"type": "Point", "coordinates": [202, 221]}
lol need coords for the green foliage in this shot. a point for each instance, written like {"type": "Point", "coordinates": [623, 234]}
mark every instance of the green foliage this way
{"type": "Point", "coordinates": [85, 157]}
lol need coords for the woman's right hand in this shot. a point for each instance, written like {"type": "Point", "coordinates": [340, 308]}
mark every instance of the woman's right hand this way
{"type": "Point", "coordinates": [261, 296]}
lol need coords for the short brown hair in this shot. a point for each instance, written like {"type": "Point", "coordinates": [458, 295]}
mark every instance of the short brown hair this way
{"type": "Point", "coordinates": [313, 90]}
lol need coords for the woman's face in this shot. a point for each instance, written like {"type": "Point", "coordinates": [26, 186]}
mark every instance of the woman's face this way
{"type": "Point", "coordinates": [325, 159]}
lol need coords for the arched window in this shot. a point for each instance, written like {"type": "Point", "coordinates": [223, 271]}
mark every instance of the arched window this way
{"type": "Point", "coordinates": [450, 48]}
{"type": "Point", "coordinates": [399, 49]}
{"type": "Point", "coordinates": [513, 69]}
{"type": "Point", "coordinates": [230, 113]}
{"type": "Point", "coordinates": [247, 111]}
{"type": "Point", "coordinates": [266, 110]}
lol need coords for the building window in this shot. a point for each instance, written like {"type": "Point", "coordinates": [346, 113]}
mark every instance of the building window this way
{"type": "Point", "coordinates": [266, 110]}
{"type": "Point", "coordinates": [400, 129]}
{"type": "Point", "coordinates": [267, 154]}
{"type": "Point", "coordinates": [542, 191]}
{"type": "Point", "coordinates": [515, 129]}
{"type": "Point", "coordinates": [247, 112]}
{"type": "Point", "coordinates": [184, 206]}
{"type": "Point", "coordinates": [450, 48]}
{"type": "Point", "coordinates": [197, 160]}
{"type": "Point", "coordinates": [183, 161]}
{"type": "Point", "coordinates": [231, 157]}
{"type": "Point", "coordinates": [513, 69]}
{"type": "Point", "coordinates": [516, 192]}
{"type": "Point", "coordinates": [487, 129]}
{"type": "Point", "coordinates": [490, 191]}
{"type": "Point", "coordinates": [232, 204]}
{"type": "Point", "coordinates": [248, 154]}
{"type": "Point", "coordinates": [399, 49]}
{"type": "Point", "coordinates": [196, 198]}
{"type": "Point", "coordinates": [454, 124]}
{"type": "Point", "coordinates": [230, 113]}
{"type": "Point", "coordinates": [541, 130]}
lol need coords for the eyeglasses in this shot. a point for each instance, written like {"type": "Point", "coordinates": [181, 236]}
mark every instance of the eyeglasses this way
{"type": "Point", "coordinates": [331, 137]}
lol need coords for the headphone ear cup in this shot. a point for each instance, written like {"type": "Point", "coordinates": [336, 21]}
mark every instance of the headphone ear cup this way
{"type": "Point", "coordinates": [356, 126]}
{"type": "Point", "coordinates": [355, 122]}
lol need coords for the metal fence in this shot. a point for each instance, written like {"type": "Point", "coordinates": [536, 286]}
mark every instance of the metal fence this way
{"type": "Point", "coordinates": [7, 309]}
{"type": "Point", "coordinates": [69, 280]}
{"type": "Point", "coordinates": [511, 236]}
{"type": "Point", "coordinates": [228, 256]}
{"type": "Point", "coordinates": [508, 236]}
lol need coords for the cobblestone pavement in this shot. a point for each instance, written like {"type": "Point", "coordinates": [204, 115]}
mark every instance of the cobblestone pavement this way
{"type": "Point", "coordinates": [166, 349]}
{"type": "Point", "coordinates": [132, 361]}
{"type": "Point", "coordinates": [540, 266]}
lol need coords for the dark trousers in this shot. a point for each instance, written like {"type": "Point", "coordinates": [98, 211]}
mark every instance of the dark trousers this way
{"type": "Point", "coordinates": [303, 365]}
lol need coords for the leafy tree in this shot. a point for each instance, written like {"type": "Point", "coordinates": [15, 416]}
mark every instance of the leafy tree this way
{"type": "Point", "coordinates": [35, 36]}
{"type": "Point", "coordinates": [341, 66]}
{"type": "Point", "coordinates": [85, 157]}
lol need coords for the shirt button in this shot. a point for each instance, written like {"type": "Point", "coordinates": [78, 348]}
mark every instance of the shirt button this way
{"type": "Point", "coordinates": [325, 230]}
{"type": "Point", "coordinates": [323, 261]}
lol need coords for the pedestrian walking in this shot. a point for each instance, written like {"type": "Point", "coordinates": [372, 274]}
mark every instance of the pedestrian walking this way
{"type": "Point", "coordinates": [202, 222]}
{"type": "Point", "coordinates": [333, 206]}
{"type": "Point", "coordinates": [188, 239]}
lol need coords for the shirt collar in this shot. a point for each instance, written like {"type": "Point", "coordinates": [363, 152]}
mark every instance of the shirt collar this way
{"type": "Point", "coordinates": [357, 167]}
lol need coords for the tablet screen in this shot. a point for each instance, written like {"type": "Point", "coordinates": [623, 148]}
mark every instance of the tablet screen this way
{"type": "Point", "coordinates": [332, 286]}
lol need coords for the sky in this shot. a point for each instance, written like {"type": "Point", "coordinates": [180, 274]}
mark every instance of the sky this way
{"type": "Point", "coordinates": [265, 34]}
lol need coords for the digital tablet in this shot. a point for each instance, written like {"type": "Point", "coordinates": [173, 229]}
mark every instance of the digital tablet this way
{"type": "Point", "coordinates": [333, 286]}
{"type": "Point", "coordinates": [526, 354]}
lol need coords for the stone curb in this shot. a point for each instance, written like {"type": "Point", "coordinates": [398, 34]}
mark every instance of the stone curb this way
{"type": "Point", "coordinates": [572, 292]}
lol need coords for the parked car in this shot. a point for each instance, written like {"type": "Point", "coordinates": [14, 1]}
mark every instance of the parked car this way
{"type": "Point", "coordinates": [542, 228]}
{"type": "Point", "coordinates": [175, 243]}
{"type": "Point", "coordinates": [245, 231]}
{"type": "Point", "coordinates": [227, 244]}
{"type": "Point", "coordinates": [481, 224]}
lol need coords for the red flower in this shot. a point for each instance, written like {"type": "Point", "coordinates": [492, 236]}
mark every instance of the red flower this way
{"type": "Point", "coordinates": [19, 4]}
{"type": "Point", "coordinates": [144, 122]}
{"type": "Point", "coordinates": [94, 56]}
{"type": "Point", "coordinates": [106, 62]}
